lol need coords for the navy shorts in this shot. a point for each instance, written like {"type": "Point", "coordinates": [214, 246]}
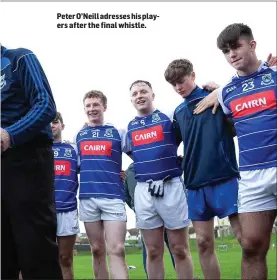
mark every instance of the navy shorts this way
{"type": "Point", "coordinates": [213, 200]}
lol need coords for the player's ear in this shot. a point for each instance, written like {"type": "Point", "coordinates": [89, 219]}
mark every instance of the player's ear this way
{"type": "Point", "coordinates": [153, 96]}
{"type": "Point", "coordinates": [253, 45]}
{"type": "Point", "coordinates": [193, 76]}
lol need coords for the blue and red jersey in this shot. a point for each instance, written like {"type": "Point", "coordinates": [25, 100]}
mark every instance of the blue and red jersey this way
{"type": "Point", "coordinates": [66, 176]}
{"type": "Point", "coordinates": [100, 151]}
{"type": "Point", "coordinates": [153, 145]}
{"type": "Point", "coordinates": [251, 102]}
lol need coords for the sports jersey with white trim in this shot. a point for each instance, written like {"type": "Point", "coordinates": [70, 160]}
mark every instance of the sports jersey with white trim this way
{"type": "Point", "coordinates": [251, 102]}
{"type": "Point", "coordinates": [154, 147]}
{"type": "Point", "coordinates": [66, 179]}
{"type": "Point", "coordinates": [100, 151]}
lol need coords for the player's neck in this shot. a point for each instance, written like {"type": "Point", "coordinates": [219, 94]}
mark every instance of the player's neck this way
{"type": "Point", "coordinates": [146, 112]}
{"type": "Point", "coordinates": [192, 89]}
{"type": "Point", "coordinates": [96, 123]}
{"type": "Point", "coordinates": [58, 139]}
{"type": "Point", "coordinates": [251, 68]}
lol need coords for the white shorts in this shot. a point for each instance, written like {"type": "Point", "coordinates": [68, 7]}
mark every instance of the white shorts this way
{"type": "Point", "coordinates": [67, 223]}
{"type": "Point", "coordinates": [170, 211]}
{"type": "Point", "coordinates": [102, 209]}
{"type": "Point", "coordinates": [257, 190]}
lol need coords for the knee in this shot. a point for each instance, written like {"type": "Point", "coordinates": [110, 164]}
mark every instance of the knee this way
{"type": "Point", "coordinates": [98, 250]}
{"type": "Point", "coordinates": [180, 252]}
{"type": "Point", "coordinates": [117, 250]}
{"type": "Point", "coordinates": [205, 244]}
{"type": "Point", "coordinates": [66, 259]}
{"type": "Point", "coordinates": [239, 237]}
{"type": "Point", "coordinates": [153, 252]}
{"type": "Point", "coordinates": [254, 246]}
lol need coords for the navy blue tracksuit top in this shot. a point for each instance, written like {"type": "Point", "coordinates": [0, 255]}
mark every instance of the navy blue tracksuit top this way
{"type": "Point", "coordinates": [209, 150]}
{"type": "Point", "coordinates": [27, 103]}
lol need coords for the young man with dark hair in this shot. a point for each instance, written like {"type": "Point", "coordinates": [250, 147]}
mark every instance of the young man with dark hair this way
{"type": "Point", "coordinates": [101, 195]}
{"type": "Point", "coordinates": [66, 186]}
{"type": "Point", "coordinates": [28, 216]}
{"type": "Point", "coordinates": [209, 163]}
{"type": "Point", "coordinates": [160, 198]}
{"type": "Point", "coordinates": [250, 100]}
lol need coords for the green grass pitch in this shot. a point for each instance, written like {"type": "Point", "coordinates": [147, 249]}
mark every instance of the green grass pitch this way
{"type": "Point", "coordinates": [229, 262]}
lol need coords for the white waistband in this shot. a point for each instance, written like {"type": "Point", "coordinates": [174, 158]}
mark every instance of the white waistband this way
{"type": "Point", "coordinates": [173, 180]}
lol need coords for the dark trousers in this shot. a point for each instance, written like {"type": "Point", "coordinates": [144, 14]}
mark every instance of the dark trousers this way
{"type": "Point", "coordinates": [144, 253]}
{"type": "Point", "coordinates": [28, 216]}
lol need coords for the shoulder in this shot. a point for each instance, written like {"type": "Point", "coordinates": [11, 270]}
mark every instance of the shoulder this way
{"type": "Point", "coordinates": [69, 147]}
{"type": "Point", "coordinates": [16, 55]}
{"type": "Point", "coordinates": [196, 98]}
{"type": "Point", "coordinates": [158, 116]}
{"type": "Point", "coordinates": [133, 124]}
{"type": "Point", "coordinates": [113, 131]}
{"type": "Point", "coordinates": [264, 67]}
{"type": "Point", "coordinates": [17, 52]}
{"type": "Point", "coordinates": [162, 115]}
{"type": "Point", "coordinates": [109, 127]}
{"type": "Point", "coordinates": [273, 68]}
{"type": "Point", "coordinates": [83, 131]}
{"type": "Point", "coordinates": [179, 108]}
{"type": "Point", "coordinates": [230, 86]}
{"type": "Point", "coordinates": [68, 144]}
{"type": "Point", "coordinates": [270, 69]}
{"type": "Point", "coordinates": [134, 121]}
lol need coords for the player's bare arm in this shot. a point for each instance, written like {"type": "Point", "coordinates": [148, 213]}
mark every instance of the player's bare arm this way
{"type": "Point", "coordinates": [212, 101]}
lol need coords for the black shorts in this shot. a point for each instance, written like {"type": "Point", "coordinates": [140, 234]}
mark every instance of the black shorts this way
{"type": "Point", "coordinates": [28, 215]}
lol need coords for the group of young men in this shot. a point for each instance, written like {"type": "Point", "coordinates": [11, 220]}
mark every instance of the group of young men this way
{"type": "Point", "coordinates": [167, 196]}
